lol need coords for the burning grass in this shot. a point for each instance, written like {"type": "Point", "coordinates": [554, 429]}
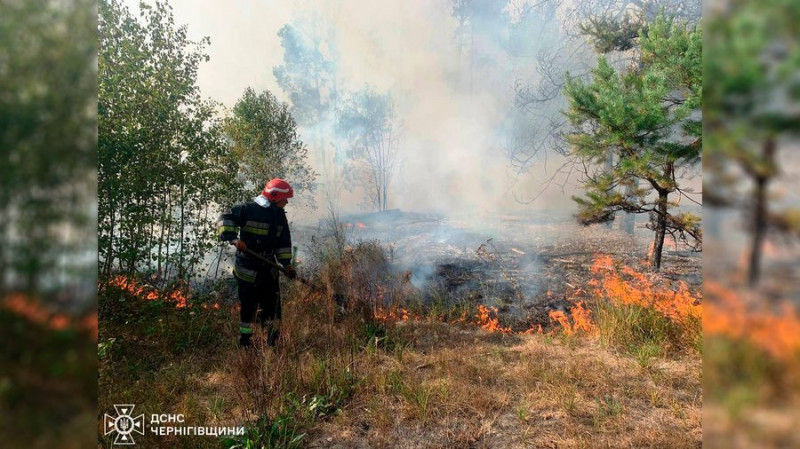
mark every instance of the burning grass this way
{"type": "Point", "coordinates": [774, 331]}
{"type": "Point", "coordinates": [392, 370]}
{"type": "Point", "coordinates": [48, 378]}
{"type": "Point", "coordinates": [751, 369]}
{"type": "Point", "coordinates": [578, 321]}
{"type": "Point", "coordinates": [177, 294]}
{"type": "Point", "coordinates": [33, 311]}
{"type": "Point", "coordinates": [636, 314]}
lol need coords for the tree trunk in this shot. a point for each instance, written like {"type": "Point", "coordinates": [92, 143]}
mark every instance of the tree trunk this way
{"type": "Point", "coordinates": [182, 230]}
{"type": "Point", "coordinates": [661, 227]}
{"type": "Point", "coordinates": [167, 239]}
{"type": "Point", "coordinates": [385, 205]}
{"type": "Point", "coordinates": [759, 229]}
{"type": "Point", "coordinates": [760, 211]}
{"type": "Point", "coordinates": [161, 231]}
{"type": "Point", "coordinates": [609, 167]}
{"type": "Point", "coordinates": [109, 262]}
{"type": "Point", "coordinates": [377, 194]}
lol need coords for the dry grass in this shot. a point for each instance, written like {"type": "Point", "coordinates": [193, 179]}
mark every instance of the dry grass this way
{"type": "Point", "coordinates": [47, 379]}
{"type": "Point", "coordinates": [434, 385]}
{"type": "Point", "coordinates": [460, 386]}
{"type": "Point", "coordinates": [763, 425]}
{"type": "Point", "coordinates": [752, 370]}
{"type": "Point", "coordinates": [370, 379]}
{"type": "Point", "coordinates": [636, 314]}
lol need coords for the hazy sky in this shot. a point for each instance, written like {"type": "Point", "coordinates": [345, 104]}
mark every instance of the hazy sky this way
{"type": "Point", "coordinates": [244, 43]}
{"type": "Point", "coordinates": [452, 155]}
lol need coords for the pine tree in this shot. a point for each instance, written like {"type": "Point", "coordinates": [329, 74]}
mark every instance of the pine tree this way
{"type": "Point", "coordinates": [647, 119]}
{"type": "Point", "coordinates": [751, 105]}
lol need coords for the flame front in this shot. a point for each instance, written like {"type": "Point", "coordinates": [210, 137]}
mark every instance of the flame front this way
{"type": "Point", "coordinates": [38, 313]}
{"type": "Point", "coordinates": [581, 320]}
{"type": "Point", "coordinates": [777, 332]}
{"type": "Point", "coordinates": [178, 295]}
{"type": "Point", "coordinates": [489, 323]}
{"type": "Point", "coordinates": [635, 288]}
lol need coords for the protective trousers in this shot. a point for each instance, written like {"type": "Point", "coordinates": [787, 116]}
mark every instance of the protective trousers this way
{"type": "Point", "coordinates": [265, 294]}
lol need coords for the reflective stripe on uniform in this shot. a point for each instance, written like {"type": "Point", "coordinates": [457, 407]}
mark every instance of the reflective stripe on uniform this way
{"type": "Point", "coordinates": [284, 253]}
{"type": "Point", "coordinates": [256, 227]}
{"type": "Point", "coordinates": [280, 229]}
{"type": "Point", "coordinates": [245, 328]}
{"type": "Point", "coordinates": [244, 273]}
{"type": "Point", "coordinates": [255, 230]}
{"type": "Point", "coordinates": [223, 229]}
{"type": "Point", "coordinates": [257, 224]}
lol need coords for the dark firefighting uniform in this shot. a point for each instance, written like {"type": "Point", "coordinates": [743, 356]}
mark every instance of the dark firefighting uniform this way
{"type": "Point", "coordinates": [265, 230]}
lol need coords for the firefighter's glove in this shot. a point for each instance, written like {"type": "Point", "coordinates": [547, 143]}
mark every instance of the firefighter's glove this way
{"type": "Point", "coordinates": [291, 273]}
{"type": "Point", "coordinates": [240, 245]}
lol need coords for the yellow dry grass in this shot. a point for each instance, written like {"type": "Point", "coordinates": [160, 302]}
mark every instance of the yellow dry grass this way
{"type": "Point", "coordinates": [459, 386]}
{"type": "Point", "coordinates": [444, 385]}
{"type": "Point", "coordinates": [367, 380]}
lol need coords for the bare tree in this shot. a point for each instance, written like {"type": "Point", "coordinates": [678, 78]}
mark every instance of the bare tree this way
{"type": "Point", "coordinates": [368, 121]}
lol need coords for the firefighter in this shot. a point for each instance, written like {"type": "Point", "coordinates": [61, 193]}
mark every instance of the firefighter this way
{"type": "Point", "coordinates": [261, 226]}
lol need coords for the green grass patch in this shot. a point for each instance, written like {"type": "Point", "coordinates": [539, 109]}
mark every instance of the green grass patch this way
{"type": "Point", "coordinates": [738, 374]}
{"type": "Point", "coordinates": [282, 432]}
{"type": "Point", "coordinates": [643, 332]}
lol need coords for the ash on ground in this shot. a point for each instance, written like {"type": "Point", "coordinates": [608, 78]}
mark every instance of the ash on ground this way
{"type": "Point", "coordinates": [524, 265]}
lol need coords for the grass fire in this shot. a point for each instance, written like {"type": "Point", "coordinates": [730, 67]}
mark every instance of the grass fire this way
{"type": "Point", "coordinates": [422, 228]}
{"type": "Point", "coordinates": [471, 353]}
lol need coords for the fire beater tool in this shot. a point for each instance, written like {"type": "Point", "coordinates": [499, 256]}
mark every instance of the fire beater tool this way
{"type": "Point", "coordinates": [338, 297]}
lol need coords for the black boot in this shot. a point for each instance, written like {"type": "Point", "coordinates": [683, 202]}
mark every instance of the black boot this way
{"type": "Point", "coordinates": [245, 340]}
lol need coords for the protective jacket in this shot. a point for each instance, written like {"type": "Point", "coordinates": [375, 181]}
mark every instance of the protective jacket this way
{"type": "Point", "coordinates": [264, 229]}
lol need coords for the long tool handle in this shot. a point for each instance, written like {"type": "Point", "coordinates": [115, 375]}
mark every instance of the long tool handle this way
{"type": "Point", "coordinates": [280, 268]}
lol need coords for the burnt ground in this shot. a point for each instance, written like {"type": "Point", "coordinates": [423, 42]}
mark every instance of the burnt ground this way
{"type": "Point", "coordinates": [525, 266]}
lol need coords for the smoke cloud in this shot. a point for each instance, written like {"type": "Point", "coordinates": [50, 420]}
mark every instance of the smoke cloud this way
{"type": "Point", "coordinates": [452, 81]}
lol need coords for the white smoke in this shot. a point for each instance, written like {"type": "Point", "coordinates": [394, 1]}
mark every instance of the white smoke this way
{"type": "Point", "coordinates": [451, 107]}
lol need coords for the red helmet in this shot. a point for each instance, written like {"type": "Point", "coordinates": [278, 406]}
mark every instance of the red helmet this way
{"type": "Point", "coordinates": [277, 189]}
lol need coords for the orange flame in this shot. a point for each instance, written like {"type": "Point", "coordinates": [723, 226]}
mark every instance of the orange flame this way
{"type": "Point", "coordinates": [178, 295]}
{"type": "Point", "coordinates": [534, 330]}
{"type": "Point", "coordinates": [636, 289]}
{"type": "Point", "coordinates": [360, 225]}
{"type": "Point", "coordinates": [581, 320]}
{"type": "Point", "coordinates": [39, 314]}
{"type": "Point", "coordinates": [486, 318]}
{"type": "Point", "coordinates": [489, 323]}
{"type": "Point", "coordinates": [28, 308]}
{"type": "Point", "coordinates": [561, 318]}
{"type": "Point", "coordinates": [394, 313]}
{"type": "Point", "coordinates": [621, 286]}
{"type": "Point", "coordinates": [775, 332]}
{"type": "Point", "coordinates": [90, 323]}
